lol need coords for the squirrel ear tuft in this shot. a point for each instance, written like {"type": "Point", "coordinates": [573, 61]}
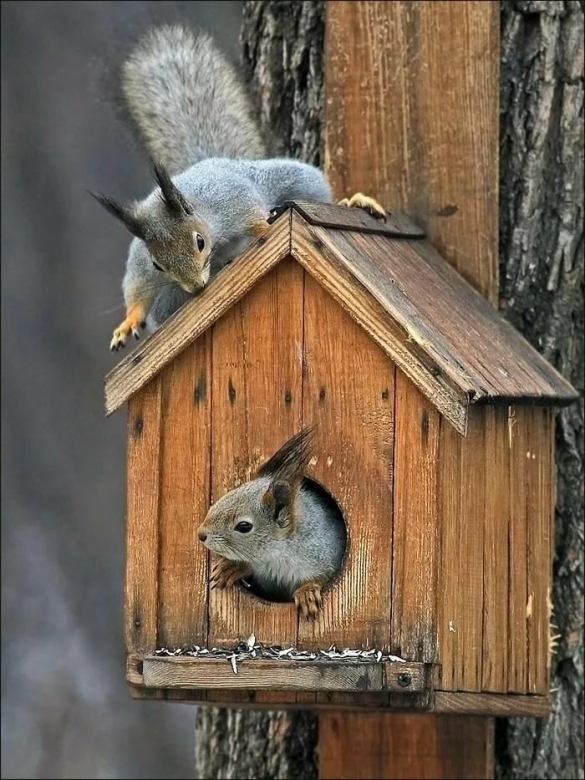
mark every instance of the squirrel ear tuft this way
{"type": "Point", "coordinates": [125, 214]}
{"type": "Point", "coordinates": [172, 197]}
{"type": "Point", "coordinates": [291, 460]}
{"type": "Point", "coordinates": [277, 497]}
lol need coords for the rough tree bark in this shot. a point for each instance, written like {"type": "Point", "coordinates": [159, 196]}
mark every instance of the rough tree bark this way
{"type": "Point", "coordinates": [541, 222]}
{"type": "Point", "coordinates": [542, 261]}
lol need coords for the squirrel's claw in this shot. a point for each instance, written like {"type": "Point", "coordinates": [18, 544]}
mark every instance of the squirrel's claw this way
{"type": "Point", "coordinates": [308, 600]}
{"type": "Point", "coordinates": [365, 202]}
{"type": "Point", "coordinates": [226, 573]}
{"type": "Point", "coordinates": [118, 340]}
{"type": "Point", "coordinates": [131, 325]}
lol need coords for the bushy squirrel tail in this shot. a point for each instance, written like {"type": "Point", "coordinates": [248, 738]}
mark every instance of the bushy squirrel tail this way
{"type": "Point", "coordinates": [186, 100]}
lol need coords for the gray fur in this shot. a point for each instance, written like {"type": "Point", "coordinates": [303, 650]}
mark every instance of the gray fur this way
{"type": "Point", "coordinates": [192, 110]}
{"type": "Point", "coordinates": [224, 193]}
{"type": "Point", "coordinates": [187, 100]}
{"type": "Point", "coordinates": [280, 560]}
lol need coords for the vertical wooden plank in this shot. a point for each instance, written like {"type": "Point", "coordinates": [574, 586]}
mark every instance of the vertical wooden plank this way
{"type": "Point", "coordinates": [553, 476]}
{"type": "Point", "coordinates": [539, 549]}
{"type": "Point", "coordinates": [401, 128]}
{"type": "Point", "coordinates": [420, 136]}
{"type": "Point", "coordinates": [517, 646]}
{"type": "Point", "coordinates": [257, 405]}
{"type": "Point", "coordinates": [230, 467]}
{"type": "Point", "coordinates": [461, 573]}
{"type": "Point", "coordinates": [184, 498]}
{"type": "Point", "coordinates": [144, 421]}
{"type": "Point", "coordinates": [415, 535]}
{"type": "Point", "coordinates": [349, 394]}
{"type": "Point", "coordinates": [495, 559]}
{"type": "Point", "coordinates": [472, 483]}
{"type": "Point", "coordinates": [450, 550]}
{"type": "Point", "coordinates": [459, 747]}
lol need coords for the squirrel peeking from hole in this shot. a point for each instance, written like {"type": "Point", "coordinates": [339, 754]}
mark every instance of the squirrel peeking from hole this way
{"type": "Point", "coordinates": [281, 529]}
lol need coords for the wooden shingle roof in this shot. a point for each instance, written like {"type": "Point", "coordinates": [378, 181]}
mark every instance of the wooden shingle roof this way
{"type": "Point", "coordinates": [449, 341]}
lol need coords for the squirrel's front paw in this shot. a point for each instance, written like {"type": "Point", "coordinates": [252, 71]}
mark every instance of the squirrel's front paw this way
{"type": "Point", "coordinates": [361, 201]}
{"type": "Point", "coordinates": [308, 600]}
{"type": "Point", "coordinates": [131, 325]}
{"type": "Point", "coordinates": [226, 573]}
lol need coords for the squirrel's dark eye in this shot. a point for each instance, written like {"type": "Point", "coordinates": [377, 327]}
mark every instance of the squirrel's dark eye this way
{"type": "Point", "coordinates": [157, 266]}
{"type": "Point", "coordinates": [244, 527]}
{"type": "Point", "coordinates": [200, 242]}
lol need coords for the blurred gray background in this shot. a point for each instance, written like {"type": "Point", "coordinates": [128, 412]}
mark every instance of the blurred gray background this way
{"type": "Point", "coordinates": [66, 711]}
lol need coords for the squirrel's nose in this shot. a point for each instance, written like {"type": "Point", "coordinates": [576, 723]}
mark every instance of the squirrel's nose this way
{"type": "Point", "coordinates": [202, 535]}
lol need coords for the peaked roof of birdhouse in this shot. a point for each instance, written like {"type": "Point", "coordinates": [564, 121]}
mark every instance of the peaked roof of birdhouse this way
{"type": "Point", "coordinates": [445, 336]}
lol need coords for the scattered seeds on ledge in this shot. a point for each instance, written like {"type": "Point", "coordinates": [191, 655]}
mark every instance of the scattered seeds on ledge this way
{"type": "Point", "coordinates": [252, 649]}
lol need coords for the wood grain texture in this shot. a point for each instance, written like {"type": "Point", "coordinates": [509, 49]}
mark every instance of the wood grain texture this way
{"type": "Point", "coordinates": [184, 496]}
{"type": "Point", "coordinates": [538, 491]}
{"type": "Point", "coordinates": [320, 258]}
{"type": "Point", "coordinates": [489, 705]}
{"type": "Point", "coordinates": [401, 128]}
{"type": "Point", "coordinates": [196, 316]}
{"type": "Point", "coordinates": [257, 406]}
{"type": "Point", "coordinates": [331, 216]}
{"type": "Point", "coordinates": [143, 496]}
{"type": "Point", "coordinates": [351, 401]}
{"type": "Point", "coordinates": [417, 746]}
{"type": "Point", "coordinates": [272, 675]}
{"type": "Point", "coordinates": [447, 322]}
{"type": "Point", "coordinates": [419, 136]}
{"type": "Point", "coordinates": [506, 706]}
{"type": "Point", "coordinates": [471, 508]}
{"type": "Point", "coordinates": [219, 675]}
{"type": "Point", "coordinates": [513, 362]}
{"type": "Point", "coordinates": [494, 578]}
{"type": "Point", "coordinates": [518, 545]}
{"type": "Point", "coordinates": [495, 551]}
{"type": "Point", "coordinates": [415, 527]}
{"type": "Point", "coordinates": [462, 504]}
{"type": "Point", "coordinates": [448, 586]}
{"type": "Point", "coordinates": [349, 395]}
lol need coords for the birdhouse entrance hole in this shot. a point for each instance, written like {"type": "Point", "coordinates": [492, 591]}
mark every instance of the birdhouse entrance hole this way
{"type": "Point", "coordinates": [336, 516]}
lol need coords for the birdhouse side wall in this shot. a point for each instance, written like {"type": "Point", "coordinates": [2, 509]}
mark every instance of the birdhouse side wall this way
{"type": "Point", "coordinates": [496, 510]}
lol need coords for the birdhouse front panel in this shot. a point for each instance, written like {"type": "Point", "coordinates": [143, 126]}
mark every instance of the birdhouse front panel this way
{"type": "Point", "coordinates": [284, 356]}
{"type": "Point", "coordinates": [448, 508]}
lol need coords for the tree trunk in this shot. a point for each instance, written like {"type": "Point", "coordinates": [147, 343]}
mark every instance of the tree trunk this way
{"type": "Point", "coordinates": [283, 50]}
{"type": "Point", "coordinates": [542, 294]}
{"type": "Point", "coordinates": [541, 221]}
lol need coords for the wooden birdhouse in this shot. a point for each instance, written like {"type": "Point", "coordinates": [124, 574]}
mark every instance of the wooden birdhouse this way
{"type": "Point", "coordinates": [434, 435]}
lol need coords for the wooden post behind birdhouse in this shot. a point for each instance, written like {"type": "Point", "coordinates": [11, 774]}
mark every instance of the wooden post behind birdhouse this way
{"type": "Point", "coordinates": [433, 152]}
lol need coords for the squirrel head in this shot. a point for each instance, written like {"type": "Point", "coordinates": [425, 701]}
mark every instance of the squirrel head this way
{"type": "Point", "coordinates": [244, 524]}
{"type": "Point", "coordinates": [178, 240]}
